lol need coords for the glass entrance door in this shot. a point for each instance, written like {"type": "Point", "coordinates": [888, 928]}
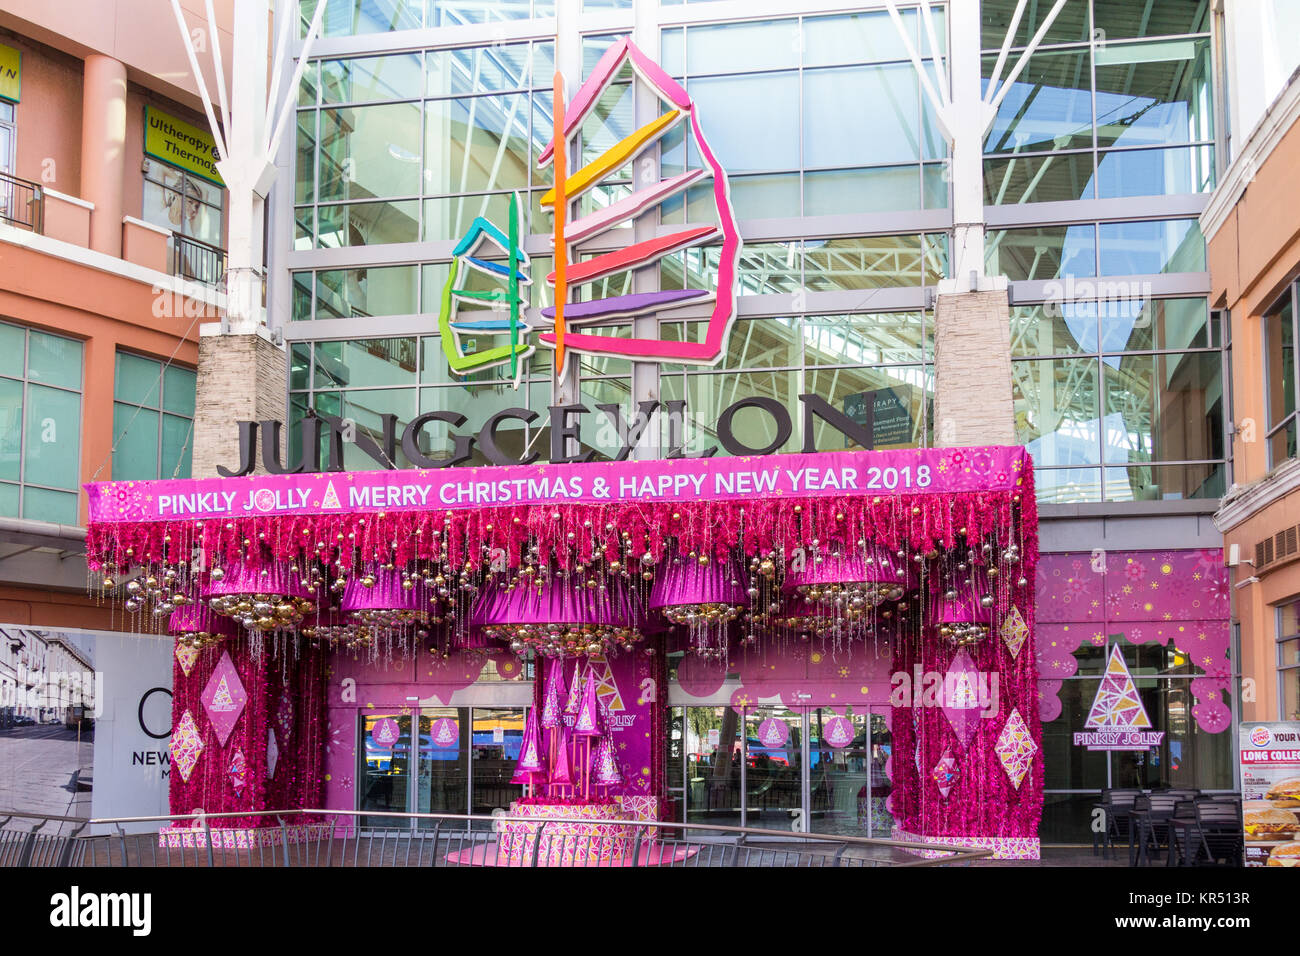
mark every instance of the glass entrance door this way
{"type": "Point", "coordinates": [443, 784]}
{"type": "Point", "coordinates": [713, 771]}
{"type": "Point", "coordinates": [386, 759]}
{"type": "Point", "coordinates": [498, 733]}
{"type": "Point", "coordinates": [792, 768]}
{"type": "Point", "coordinates": [849, 786]}
{"type": "Point", "coordinates": [774, 760]}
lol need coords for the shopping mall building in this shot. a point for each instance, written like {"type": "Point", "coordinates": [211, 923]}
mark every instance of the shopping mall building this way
{"type": "Point", "coordinates": [790, 229]}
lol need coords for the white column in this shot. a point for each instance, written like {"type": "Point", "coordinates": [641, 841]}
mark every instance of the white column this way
{"type": "Point", "coordinates": [245, 143]}
{"type": "Point", "coordinates": [966, 121]}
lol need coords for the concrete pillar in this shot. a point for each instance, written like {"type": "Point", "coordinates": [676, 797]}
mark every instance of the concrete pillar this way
{"type": "Point", "coordinates": [241, 378]}
{"type": "Point", "coordinates": [103, 149]}
{"type": "Point", "coordinates": [972, 369]}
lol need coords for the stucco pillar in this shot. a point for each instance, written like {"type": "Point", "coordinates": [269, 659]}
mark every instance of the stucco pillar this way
{"type": "Point", "coordinates": [972, 369]}
{"type": "Point", "coordinates": [103, 149]}
{"type": "Point", "coordinates": [241, 378]}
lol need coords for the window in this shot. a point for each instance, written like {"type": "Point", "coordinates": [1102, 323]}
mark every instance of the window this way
{"type": "Point", "coordinates": [1115, 103]}
{"type": "Point", "coordinates": [1156, 247]}
{"type": "Point", "coordinates": [1280, 378]}
{"type": "Point", "coordinates": [8, 136]}
{"type": "Point", "coordinates": [1120, 400]}
{"type": "Point", "coordinates": [771, 95]}
{"type": "Point", "coordinates": [355, 17]}
{"type": "Point", "coordinates": [185, 204]}
{"type": "Point", "coordinates": [1288, 661]}
{"type": "Point", "coordinates": [192, 209]}
{"type": "Point", "coordinates": [40, 424]}
{"type": "Point", "coordinates": [411, 147]}
{"type": "Point", "coordinates": [153, 419]}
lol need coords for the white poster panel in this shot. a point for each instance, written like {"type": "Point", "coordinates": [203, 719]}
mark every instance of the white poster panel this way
{"type": "Point", "coordinates": [133, 730]}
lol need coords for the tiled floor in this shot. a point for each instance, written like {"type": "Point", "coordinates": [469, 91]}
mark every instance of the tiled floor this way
{"type": "Point", "coordinates": [1071, 856]}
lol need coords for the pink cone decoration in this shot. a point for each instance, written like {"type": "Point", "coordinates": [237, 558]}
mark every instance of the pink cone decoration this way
{"type": "Point", "coordinates": [560, 768]}
{"type": "Point", "coordinates": [607, 772]}
{"type": "Point", "coordinates": [574, 702]}
{"type": "Point", "coordinates": [531, 757]}
{"type": "Point", "coordinates": [590, 722]}
{"type": "Point", "coordinates": [551, 699]}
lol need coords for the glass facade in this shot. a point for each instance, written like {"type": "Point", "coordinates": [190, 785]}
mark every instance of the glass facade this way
{"type": "Point", "coordinates": [1106, 391]}
{"type": "Point", "coordinates": [1112, 104]}
{"type": "Point", "coordinates": [153, 419]}
{"type": "Point", "coordinates": [40, 424]}
{"type": "Point", "coordinates": [810, 156]}
{"type": "Point", "coordinates": [402, 149]}
{"type": "Point", "coordinates": [1096, 166]}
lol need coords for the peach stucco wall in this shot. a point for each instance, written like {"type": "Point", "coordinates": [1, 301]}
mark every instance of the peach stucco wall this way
{"type": "Point", "coordinates": [141, 33]}
{"type": "Point", "coordinates": [46, 607]}
{"type": "Point", "coordinates": [107, 311]}
{"type": "Point", "coordinates": [1252, 257]}
{"type": "Point", "coordinates": [49, 119]}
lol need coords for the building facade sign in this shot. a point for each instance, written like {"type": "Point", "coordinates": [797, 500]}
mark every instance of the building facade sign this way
{"type": "Point", "coordinates": [180, 144]}
{"type": "Point", "coordinates": [11, 74]}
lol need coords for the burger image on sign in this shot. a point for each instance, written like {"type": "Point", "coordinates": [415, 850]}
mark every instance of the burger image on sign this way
{"type": "Point", "coordinates": [1285, 793]}
{"type": "Point", "coordinates": [1271, 825]}
{"type": "Point", "coordinates": [1285, 854]}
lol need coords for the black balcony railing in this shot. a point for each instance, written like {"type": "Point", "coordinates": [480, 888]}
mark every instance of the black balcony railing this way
{"type": "Point", "coordinates": [22, 203]}
{"type": "Point", "coordinates": [198, 261]}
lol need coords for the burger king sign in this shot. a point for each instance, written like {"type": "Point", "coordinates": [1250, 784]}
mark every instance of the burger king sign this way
{"type": "Point", "coordinates": [1270, 792]}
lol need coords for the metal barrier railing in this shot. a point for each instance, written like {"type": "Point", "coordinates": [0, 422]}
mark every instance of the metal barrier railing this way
{"type": "Point", "coordinates": [22, 203]}
{"type": "Point", "coordinates": [198, 261]}
{"type": "Point", "coordinates": [348, 838]}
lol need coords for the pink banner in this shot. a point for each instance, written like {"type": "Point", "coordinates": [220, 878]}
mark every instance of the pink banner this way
{"type": "Point", "coordinates": [825, 474]}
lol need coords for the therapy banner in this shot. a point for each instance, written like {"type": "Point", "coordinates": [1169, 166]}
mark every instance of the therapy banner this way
{"type": "Point", "coordinates": [868, 473]}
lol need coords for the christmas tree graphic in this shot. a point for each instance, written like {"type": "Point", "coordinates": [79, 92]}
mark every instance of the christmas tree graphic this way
{"type": "Point", "coordinates": [221, 700]}
{"type": "Point", "coordinates": [964, 695]}
{"type": "Point", "coordinates": [472, 309]}
{"type": "Point", "coordinates": [606, 686]}
{"type": "Point", "coordinates": [446, 734]}
{"type": "Point", "coordinates": [1117, 703]}
{"type": "Point", "coordinates": [331, 497]}
{"type": "Point", "coordinates": [635, 151]}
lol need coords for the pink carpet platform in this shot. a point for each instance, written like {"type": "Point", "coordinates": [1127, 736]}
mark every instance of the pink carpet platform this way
{"type": "Point", "coordinates": [649, 855]}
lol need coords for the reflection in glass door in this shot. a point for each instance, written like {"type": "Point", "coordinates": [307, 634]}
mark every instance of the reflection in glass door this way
{"type": "Point", "coordinates": [386, 757]}
{"type": "Point", "coordinates": [676, 765]}
{"type": "Point", "coordinates": [498, 733]}
{"type": "Point", "coordinates": [840, 767]}
{"type": "Point", "coordinates": [443, 783]}
{"type": "Point", "coordinates": [847, 762]}
{"type": "Point", "coordinates": [774, 793]}
{"type": "Point", "coordinates": [714, 774]}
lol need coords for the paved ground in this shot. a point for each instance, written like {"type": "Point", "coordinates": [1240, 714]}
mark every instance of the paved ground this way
{"type": "Point", "coordinates": [44, 769]}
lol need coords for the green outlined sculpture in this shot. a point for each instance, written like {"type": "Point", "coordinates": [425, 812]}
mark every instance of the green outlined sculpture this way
{"type": "Point", "coordinates": [504, 315]}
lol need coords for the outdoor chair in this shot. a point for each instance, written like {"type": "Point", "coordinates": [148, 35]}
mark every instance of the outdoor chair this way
{"type": "Point", "coordinates": [1116, 806]}
{"type": "Point", "coordinates": [1150, 824]}
{"type": "Point", "coordinates": [1220, 830]}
